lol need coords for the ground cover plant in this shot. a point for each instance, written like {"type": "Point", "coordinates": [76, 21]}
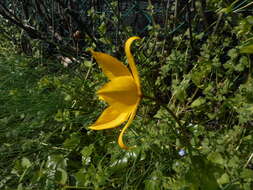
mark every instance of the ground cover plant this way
{"type": "Point", "coordinates": [193, 127]}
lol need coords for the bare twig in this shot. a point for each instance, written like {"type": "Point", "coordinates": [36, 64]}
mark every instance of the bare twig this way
{"type": "Point", "coordinates": [168, 109]}
{"type": "Point", "coordinates": [33, 33]}
{"type": "Point", "coordinates": [12, 18]}
{"type": "Point", "coordinates": [74, 15]}
{"type": "Point", "coordinates": [176, 9]}
{"type": "Point", "coordinates": [184, 133]}
{"type": "Point", "coordinates": [249, 160]}
{"type": "Point", "coordinates": [217, 23]}
{"type": "Point", "coordinates": [189, 23]}
{"type": "Point", "coordinates": [202, 12]}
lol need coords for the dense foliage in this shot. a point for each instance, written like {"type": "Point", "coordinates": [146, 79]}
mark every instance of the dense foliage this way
{"type": "Point", "coordinates": [194, 59]}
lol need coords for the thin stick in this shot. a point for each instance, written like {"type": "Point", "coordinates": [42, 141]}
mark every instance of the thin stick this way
{"type": "Point", "coordinates": [183, 137]}
{"type": "Point", "coordinates": [189, 23]}
{"type": "Point", "coordinates": [250, 158]}
{"type": "Point", "coordinates": [168, 109]}
{"type": "Point", "coordinates": [244, 7]}
{"type": "Point", "coordinates": [217, 23]}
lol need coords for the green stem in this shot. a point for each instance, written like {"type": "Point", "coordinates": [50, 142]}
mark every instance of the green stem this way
{"type": "Point", "coordinates": [182, 129]}
{"type": "Point", "coordinates": [74, 187]}
{"type": "Point", "coordinates": [168, 109]}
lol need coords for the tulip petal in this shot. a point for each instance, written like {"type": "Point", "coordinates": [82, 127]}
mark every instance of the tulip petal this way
{"type": "Point", "coordinates": [110, 118]}
{"type": "Point", "coordinates": [120, 139]}
{"type": "Point", "coordinates": [120, 92]}
{"type": "Point", "coordinates": [130, 60]}
{"type": "Point", "coordinates": [111, 66]}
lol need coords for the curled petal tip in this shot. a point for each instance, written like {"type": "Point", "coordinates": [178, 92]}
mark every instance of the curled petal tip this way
{"type": "Point", "coordinates": [131, 61]}
{"type": "Point", "coordinates": [130, 120]}
{"type": "Point", "coordinates": [134, 38]}
{"type": "Point", "coordinates": [90, 50]}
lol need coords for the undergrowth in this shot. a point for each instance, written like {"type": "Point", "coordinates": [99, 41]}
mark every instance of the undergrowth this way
{"type": "Point", "coordinates": [196, 68]}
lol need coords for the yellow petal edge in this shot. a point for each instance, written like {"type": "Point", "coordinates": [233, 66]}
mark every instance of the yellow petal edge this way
{"type": "Point", "coordinates": [111, 66]}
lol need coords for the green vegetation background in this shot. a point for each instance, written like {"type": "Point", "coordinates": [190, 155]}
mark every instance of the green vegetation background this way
{"type": "Point", "coordinates": [196, 60]}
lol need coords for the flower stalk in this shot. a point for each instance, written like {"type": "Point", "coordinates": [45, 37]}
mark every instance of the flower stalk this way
{"type": "Point", "coordinates": [183, 131]}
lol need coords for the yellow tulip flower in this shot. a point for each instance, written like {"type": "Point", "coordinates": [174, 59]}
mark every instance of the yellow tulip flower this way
{"type": "Point", "coordinates": [122, 92]}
